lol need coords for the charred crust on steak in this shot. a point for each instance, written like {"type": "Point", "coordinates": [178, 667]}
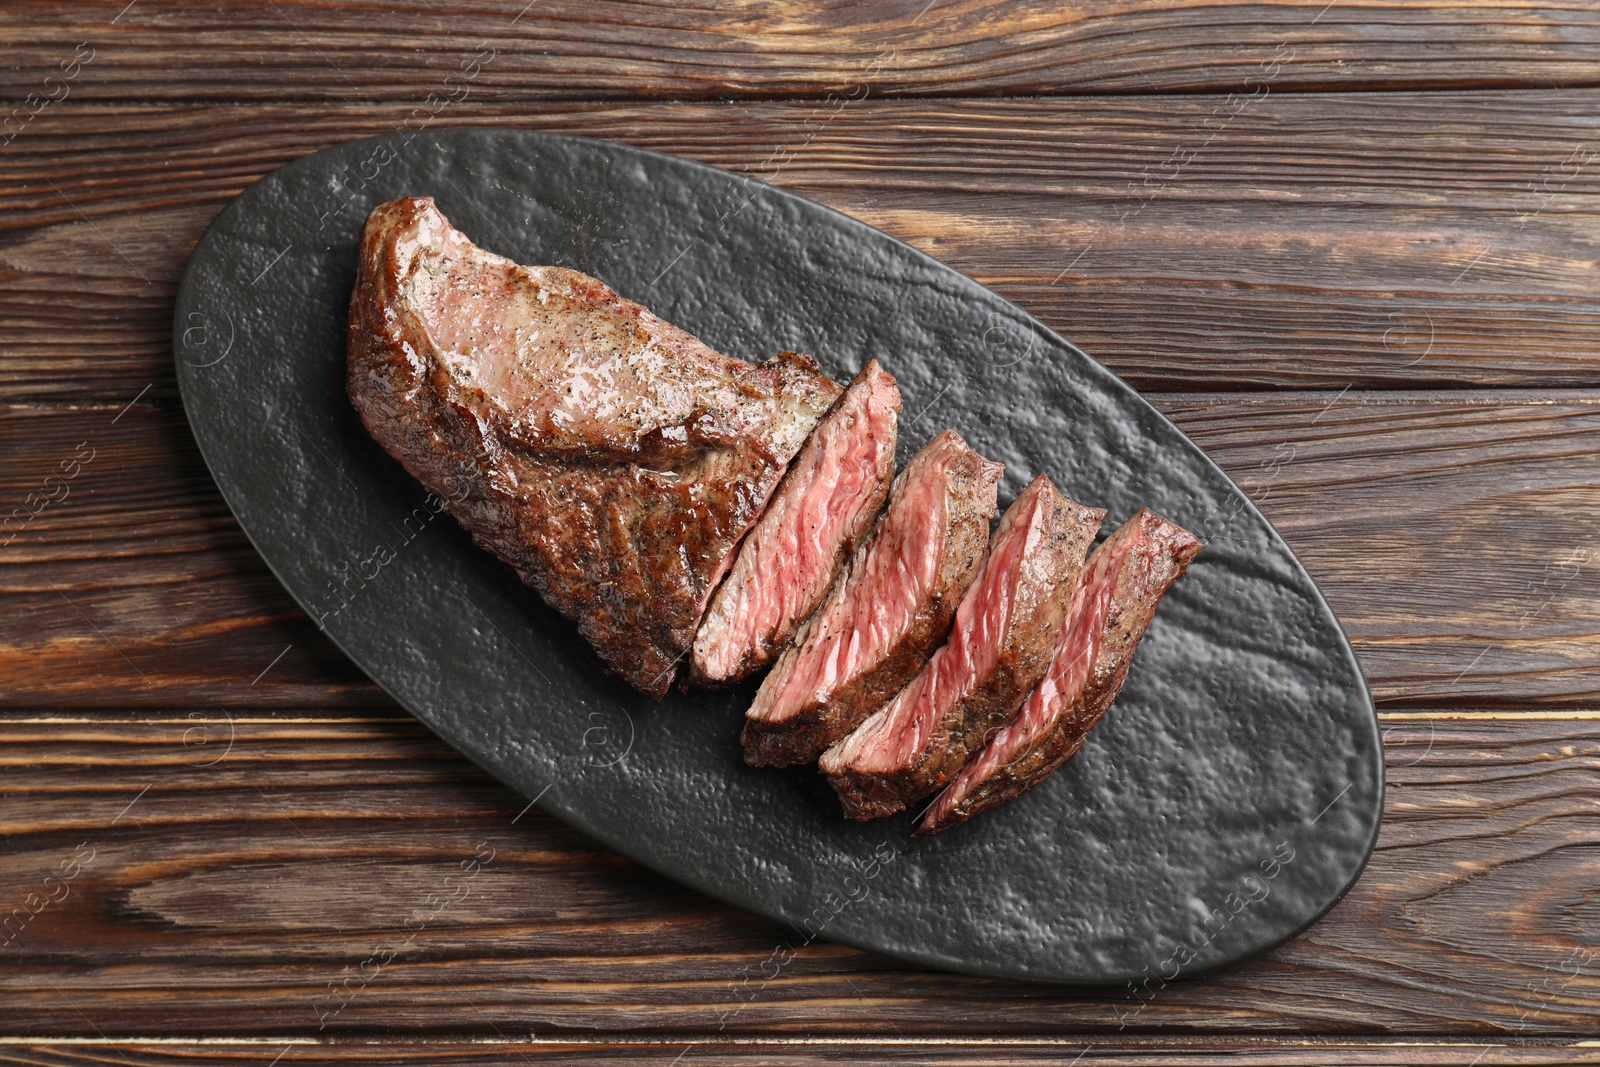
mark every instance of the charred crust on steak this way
{"type": "Point", "coordinates": [609, 457]}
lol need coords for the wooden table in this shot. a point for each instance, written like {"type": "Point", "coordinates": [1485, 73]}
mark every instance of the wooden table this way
{"type": "Point", "coordinates": [1349, 248]}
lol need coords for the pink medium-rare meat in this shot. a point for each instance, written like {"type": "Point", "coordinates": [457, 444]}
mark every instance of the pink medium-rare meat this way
{"type": "Point", "coordinates": [817, 518]}
{"type": "Point", "coordinates": [999, 648]}
{"type": "Point", "coordinates": [886, 613]}
{"type": "Point", "coordinates": [609, 457]}
{"type": "Point", "coordinates": [1112, 605]}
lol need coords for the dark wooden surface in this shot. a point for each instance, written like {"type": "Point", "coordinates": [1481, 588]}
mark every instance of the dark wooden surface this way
{"type": "Point", "coordinates": [234, 891]}
{"type": "Point", "coordinates": [1364, 281]}
{"type": "Point", "coordinates": [1393, 240]}
{"type": "Point", "coordinates": [588, 49]}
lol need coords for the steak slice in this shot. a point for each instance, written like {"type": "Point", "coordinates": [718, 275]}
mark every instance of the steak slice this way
{"type": "Point", "coordinates": [824, 507]}
{"type": "Point", "coordinates": [609, 457]}
{"type": "Point", "coordinates": [886, 613]}
{"type": "Point", "coordinates": [1005, 631]}
{"type": "Point", "coordinates": [1112, 606]}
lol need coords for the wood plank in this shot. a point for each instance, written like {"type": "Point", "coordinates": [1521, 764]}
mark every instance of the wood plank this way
{"type": "Point", "coordinates": [1451, 532]}
{"type": "Point", "coordinates": [565, 49]}
{"type": "Point", "coordinates": [123, 571]}
{"type": "Point", "coordinates": [701, 1049]}
{"type": "Point", "coordinates": [1399, 240]}
{"type": "Point", "coordinates": [264, 893]}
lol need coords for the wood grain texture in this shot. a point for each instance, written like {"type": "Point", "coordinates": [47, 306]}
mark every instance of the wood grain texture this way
{"type": "Point", "coordinates": [281, 877]}
{"type": "Point", "coordinates": [252, 860]}
{"type": "Point", "coordinates": [564, 49]}
{"type": "Point", "coordinates": [1398, 240]}
{"type": "Point", "coordinates": [700, 1049]}
{"type": "Point", "coordinates": [1449, 532]}
{"type": "Point", "coordinates": [1452, 533]}
{"type": "Point", "coordinates": [127, 580]}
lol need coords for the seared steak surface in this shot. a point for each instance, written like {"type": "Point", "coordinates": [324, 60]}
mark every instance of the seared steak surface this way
{"type": "Point", "coordinates": [609, 457]}
{"type": "Point", "coordinates": [1112, 606]}
{"type": "Point", "coordinates": [998, 650]}
{"type": "Point", "coordinates": [823, 508]}
{"type": "Point", "coordinates": [888, 611]}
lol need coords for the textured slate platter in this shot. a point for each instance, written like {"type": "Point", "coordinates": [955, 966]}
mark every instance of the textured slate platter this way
{"type": "Point", "coordinates": [1230, 798]}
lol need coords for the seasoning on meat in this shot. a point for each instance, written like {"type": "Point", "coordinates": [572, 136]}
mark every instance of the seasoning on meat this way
{"type": "Point", "coordinates": [609, 457]}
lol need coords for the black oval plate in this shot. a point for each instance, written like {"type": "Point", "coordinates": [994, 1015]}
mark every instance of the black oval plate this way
{"type": "Point", "coordinates": [1231, 797]}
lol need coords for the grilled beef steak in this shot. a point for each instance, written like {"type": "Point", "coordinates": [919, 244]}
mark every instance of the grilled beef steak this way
{"type": "Point", "coordinates": [823, 508]}
{"type": "Point", "coordinates": [1112, 606]}
{"type": "Point", "coordinates": [887, 611]}
{"type": "Point", "coordinates": [609, 457]}
{"type": "Point", "coordinates": [999, 648]}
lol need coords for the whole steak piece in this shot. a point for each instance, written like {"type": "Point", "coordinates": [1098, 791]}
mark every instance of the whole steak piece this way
{"type": "Point", "coordinates": [886, 613]}
{"type": "Point", "coordinates": [999, 648]}
{"type": "Point", "coordinates": [1112, 606]}
{"type": "Point", "coordinates": [816, 520]}
{"type": "Point", "coordinates": [609, 457]}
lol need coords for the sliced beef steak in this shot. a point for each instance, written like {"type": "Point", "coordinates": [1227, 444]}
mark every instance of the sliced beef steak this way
{"type": "Point", "coordinates": [609, 457]}
{"type": "Point", "coordinates": [887, 611]}
{"type": "Point", "coordinates": [999, 648]}
{"type": "Point", "coordinates": [824, 507]}
{"type": "Point", "coordinates": [1112, 606]}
